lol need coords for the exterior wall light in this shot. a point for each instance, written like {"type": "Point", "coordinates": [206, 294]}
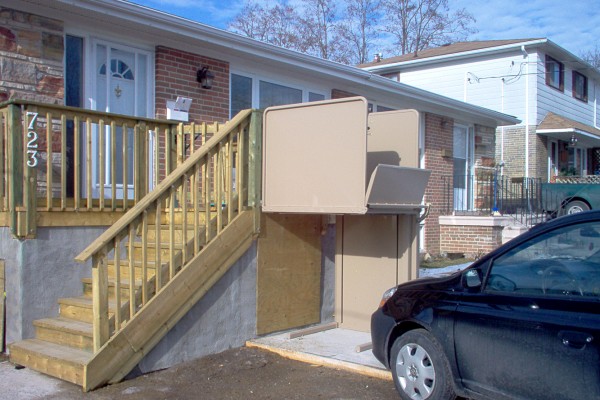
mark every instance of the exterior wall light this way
{"type": "Point", "coordinates": [205, 77]}
{"type": "Point", "coordinates": [573, 141]}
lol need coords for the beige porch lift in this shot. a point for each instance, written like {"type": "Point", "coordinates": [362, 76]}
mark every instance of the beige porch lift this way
{"type": "Point", "coordinates": [335, 158]}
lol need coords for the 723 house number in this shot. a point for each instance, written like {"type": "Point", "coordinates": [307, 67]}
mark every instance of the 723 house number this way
{"type": "Point", "coordinates": [32, 137]}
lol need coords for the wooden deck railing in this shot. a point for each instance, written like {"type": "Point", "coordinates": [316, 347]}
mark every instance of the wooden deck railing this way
{"type": "Point", "coordinates": [185, 212]}
{"type": "Point", "coordinates": [56, 159]}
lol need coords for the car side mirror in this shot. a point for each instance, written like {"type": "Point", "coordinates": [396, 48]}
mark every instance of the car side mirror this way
{"type": "Point", "coordinates": [471, 278]}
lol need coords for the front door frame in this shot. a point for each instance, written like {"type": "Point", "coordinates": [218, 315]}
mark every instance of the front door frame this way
{"type": "Point", "coordinates": [143, 61]}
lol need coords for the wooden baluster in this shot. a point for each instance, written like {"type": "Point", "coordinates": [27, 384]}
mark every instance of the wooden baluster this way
{"type": "Point", "coordinates": [125, 166]}
{"type": "Point", "coordinates": [100, 300]}
{"type": "Point", "coordinates": [132, 302]}
{"type": "Point", "coordinates": [218, 176]}
{"type": "Point", "coordinates": [101, 165]}
{"type": "Point", "coordinates": [113, 165]}
{"type": "Point", "coordinates": [229, 180]}
{"type": "Point", "coordinates": [144, 257]}
{"type": "Point", "coordinates": [63, 162]}
{"type": "Point", "coordinates": [77, 163]}
{"type": "Point", "coordinates": [196, 208]}
{"type": "Point", "coordinates": [172, 233]}
{"type": "Point", "coordinates": [49, 144]}
{"type": "Point", "coordinates": [89, 158]}
{"type": "Point", "coordinates": [158, 243]}
{"type": "Point", "coordinates": [207, 196]}
{"type": "Point", "coordinates": [117, 262]}
{"type": "Point", "coordinates": [3, 161]}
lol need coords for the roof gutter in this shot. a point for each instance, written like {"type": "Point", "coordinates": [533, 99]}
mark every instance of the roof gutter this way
{"type": "Point", "coordinates": [120, 9]}
{"type": "Point", "coordinates": [455, 56]}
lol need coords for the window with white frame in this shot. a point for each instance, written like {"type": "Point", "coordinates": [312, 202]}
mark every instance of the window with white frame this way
{"type": "Point", "coordinates": [248, 92]}
{"type": "Point", "coordinates": [272, 94]}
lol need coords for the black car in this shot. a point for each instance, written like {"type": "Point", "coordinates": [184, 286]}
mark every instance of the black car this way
{"type": "Point", "coordinates": [523, 322]}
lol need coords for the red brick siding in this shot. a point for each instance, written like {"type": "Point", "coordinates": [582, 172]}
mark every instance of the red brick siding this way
{"type": "Point", "coordinates": [176, 76]}
{"type": "Point", "coordinates": [175, 72]}
{"type": "Point", "coordinates": [473, 241]}
{"type": "Point", "coordinates": [438, 140]}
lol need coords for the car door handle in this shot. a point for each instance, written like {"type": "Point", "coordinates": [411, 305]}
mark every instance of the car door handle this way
{"type": "Point", "coordinates": [576, 340]}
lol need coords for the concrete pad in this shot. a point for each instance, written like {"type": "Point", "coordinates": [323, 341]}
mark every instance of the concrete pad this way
{"type": "Point", "coordinates": [334, 348]}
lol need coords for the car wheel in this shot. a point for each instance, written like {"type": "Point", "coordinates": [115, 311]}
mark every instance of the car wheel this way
{"type": "Point", "coordinates": [576, 206]}
{"type": "Point", "coordinates": [420, 368]}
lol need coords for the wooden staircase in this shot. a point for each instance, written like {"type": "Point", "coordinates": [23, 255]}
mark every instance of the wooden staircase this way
{"type": "Point", "coordinates": [154, 264]}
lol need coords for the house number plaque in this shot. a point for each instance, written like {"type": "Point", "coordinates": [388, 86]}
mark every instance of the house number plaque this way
{"type": "Point", "coordinates": [32, 137]}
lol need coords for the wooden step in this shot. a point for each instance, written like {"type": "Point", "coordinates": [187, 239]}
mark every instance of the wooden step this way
{"type": "Point", "coordinates": [164, 249]}
{"type": "Point", "coordinates": [65, 331]}
{"type": "Point", "coordinates": [80, 308]}
{"type": "Point", "coordinates": [165, 233]}
{"type": "Point", "coordinates": [63, 362]}
{"type": "Point", "coordinates": [125, 271]}
{"type": "Point", "coordinates": [87, 286]}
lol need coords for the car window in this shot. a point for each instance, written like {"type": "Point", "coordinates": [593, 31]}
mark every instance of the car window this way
{"type": "Point", "coordinates": [563, 262]}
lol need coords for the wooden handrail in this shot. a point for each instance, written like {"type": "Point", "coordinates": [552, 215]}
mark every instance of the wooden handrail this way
{"type": "Point", "coordinates": [188, 210]}
{"type": "Point", "coordinates": [89, 164]}
{"type": "Point", "coordinates": [111, 233]}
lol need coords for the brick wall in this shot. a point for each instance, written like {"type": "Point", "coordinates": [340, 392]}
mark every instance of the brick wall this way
{"type": "Point", "coordinates": [472, 241]}
{"type": "Point", "coordinates": [176, 76]}
{"type": "Point", "coordinates": [438, 159]}
{"type": "Point", "coordinates": [514, 152]}
{"type": "Point", "coordinates": [31, 62]}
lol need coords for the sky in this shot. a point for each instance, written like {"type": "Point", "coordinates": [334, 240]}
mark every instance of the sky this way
{"type": "Point", "coordinates": [572, 24]}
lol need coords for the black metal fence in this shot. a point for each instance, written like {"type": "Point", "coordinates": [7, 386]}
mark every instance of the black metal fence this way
{"type": "Point", "coordinates": [490, 194]}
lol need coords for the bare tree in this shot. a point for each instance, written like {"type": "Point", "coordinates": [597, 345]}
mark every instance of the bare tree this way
{"type": "Point", "coordinates": [277, 25]}
{"type": "Point", "coordinates": [419, 24]}
{"type": "Point", "coordinates": [251, 22]}
{"type": "Point", "coordinates": [318, 27]}
{"type": "Point", "coordinates": [592, 56]}
{"type": "Point", "coordinates": [359, 29]}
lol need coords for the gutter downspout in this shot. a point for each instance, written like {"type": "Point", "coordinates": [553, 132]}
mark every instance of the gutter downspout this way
{"type": "Point", "coordinates": [595, 104]}
{"type": "Point", "coordinates": [526, 56]}
{"type": "Point", "coordinates": [502, 130]}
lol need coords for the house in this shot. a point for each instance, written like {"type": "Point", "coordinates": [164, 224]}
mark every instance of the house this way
{"type": "Point", "coordinates": [552, 92]}
{"type": "Point", "coordinates": [132, 163]}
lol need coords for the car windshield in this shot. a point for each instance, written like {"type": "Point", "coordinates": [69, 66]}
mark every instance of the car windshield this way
{"type": "Point", "coordinates": [565, 261]}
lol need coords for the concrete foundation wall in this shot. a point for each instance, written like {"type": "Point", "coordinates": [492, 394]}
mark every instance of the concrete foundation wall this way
{"type": "Point", "coordinates": [224, 318]}
{"type": "Point", "coordinates": [39, 272]}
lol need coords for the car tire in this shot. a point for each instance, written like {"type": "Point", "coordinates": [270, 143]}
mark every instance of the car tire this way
{"type": "Point", "coordinates": [576, 206]}
{"type": "Point", "coordinates": [420, 368]}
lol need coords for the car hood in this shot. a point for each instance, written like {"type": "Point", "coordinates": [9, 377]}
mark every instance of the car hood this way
{"type": "Point", "coordinates": [412, 297]}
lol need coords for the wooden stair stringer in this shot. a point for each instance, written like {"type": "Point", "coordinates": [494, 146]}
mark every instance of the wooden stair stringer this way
{"type": "Point", "coordinates": [139, 336]}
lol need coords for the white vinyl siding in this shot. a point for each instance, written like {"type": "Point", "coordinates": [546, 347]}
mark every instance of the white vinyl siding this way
{"type": "Point", "coordinates": [479, 81]}
{"type": "Point", "coordinates": [563, 103]}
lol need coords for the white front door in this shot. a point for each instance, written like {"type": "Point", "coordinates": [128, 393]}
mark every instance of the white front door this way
{"type": "Point", "coordinates": [121, 82]}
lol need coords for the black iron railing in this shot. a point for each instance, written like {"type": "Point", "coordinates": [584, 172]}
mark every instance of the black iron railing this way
{"type": "Point", "coordinates": [492, 194]}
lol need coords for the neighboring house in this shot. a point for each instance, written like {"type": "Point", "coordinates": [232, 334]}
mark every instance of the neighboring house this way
{"type": "Point", "coordinates": [552, 91]}
{"type": "Point", "coordinates": [94, 171]}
